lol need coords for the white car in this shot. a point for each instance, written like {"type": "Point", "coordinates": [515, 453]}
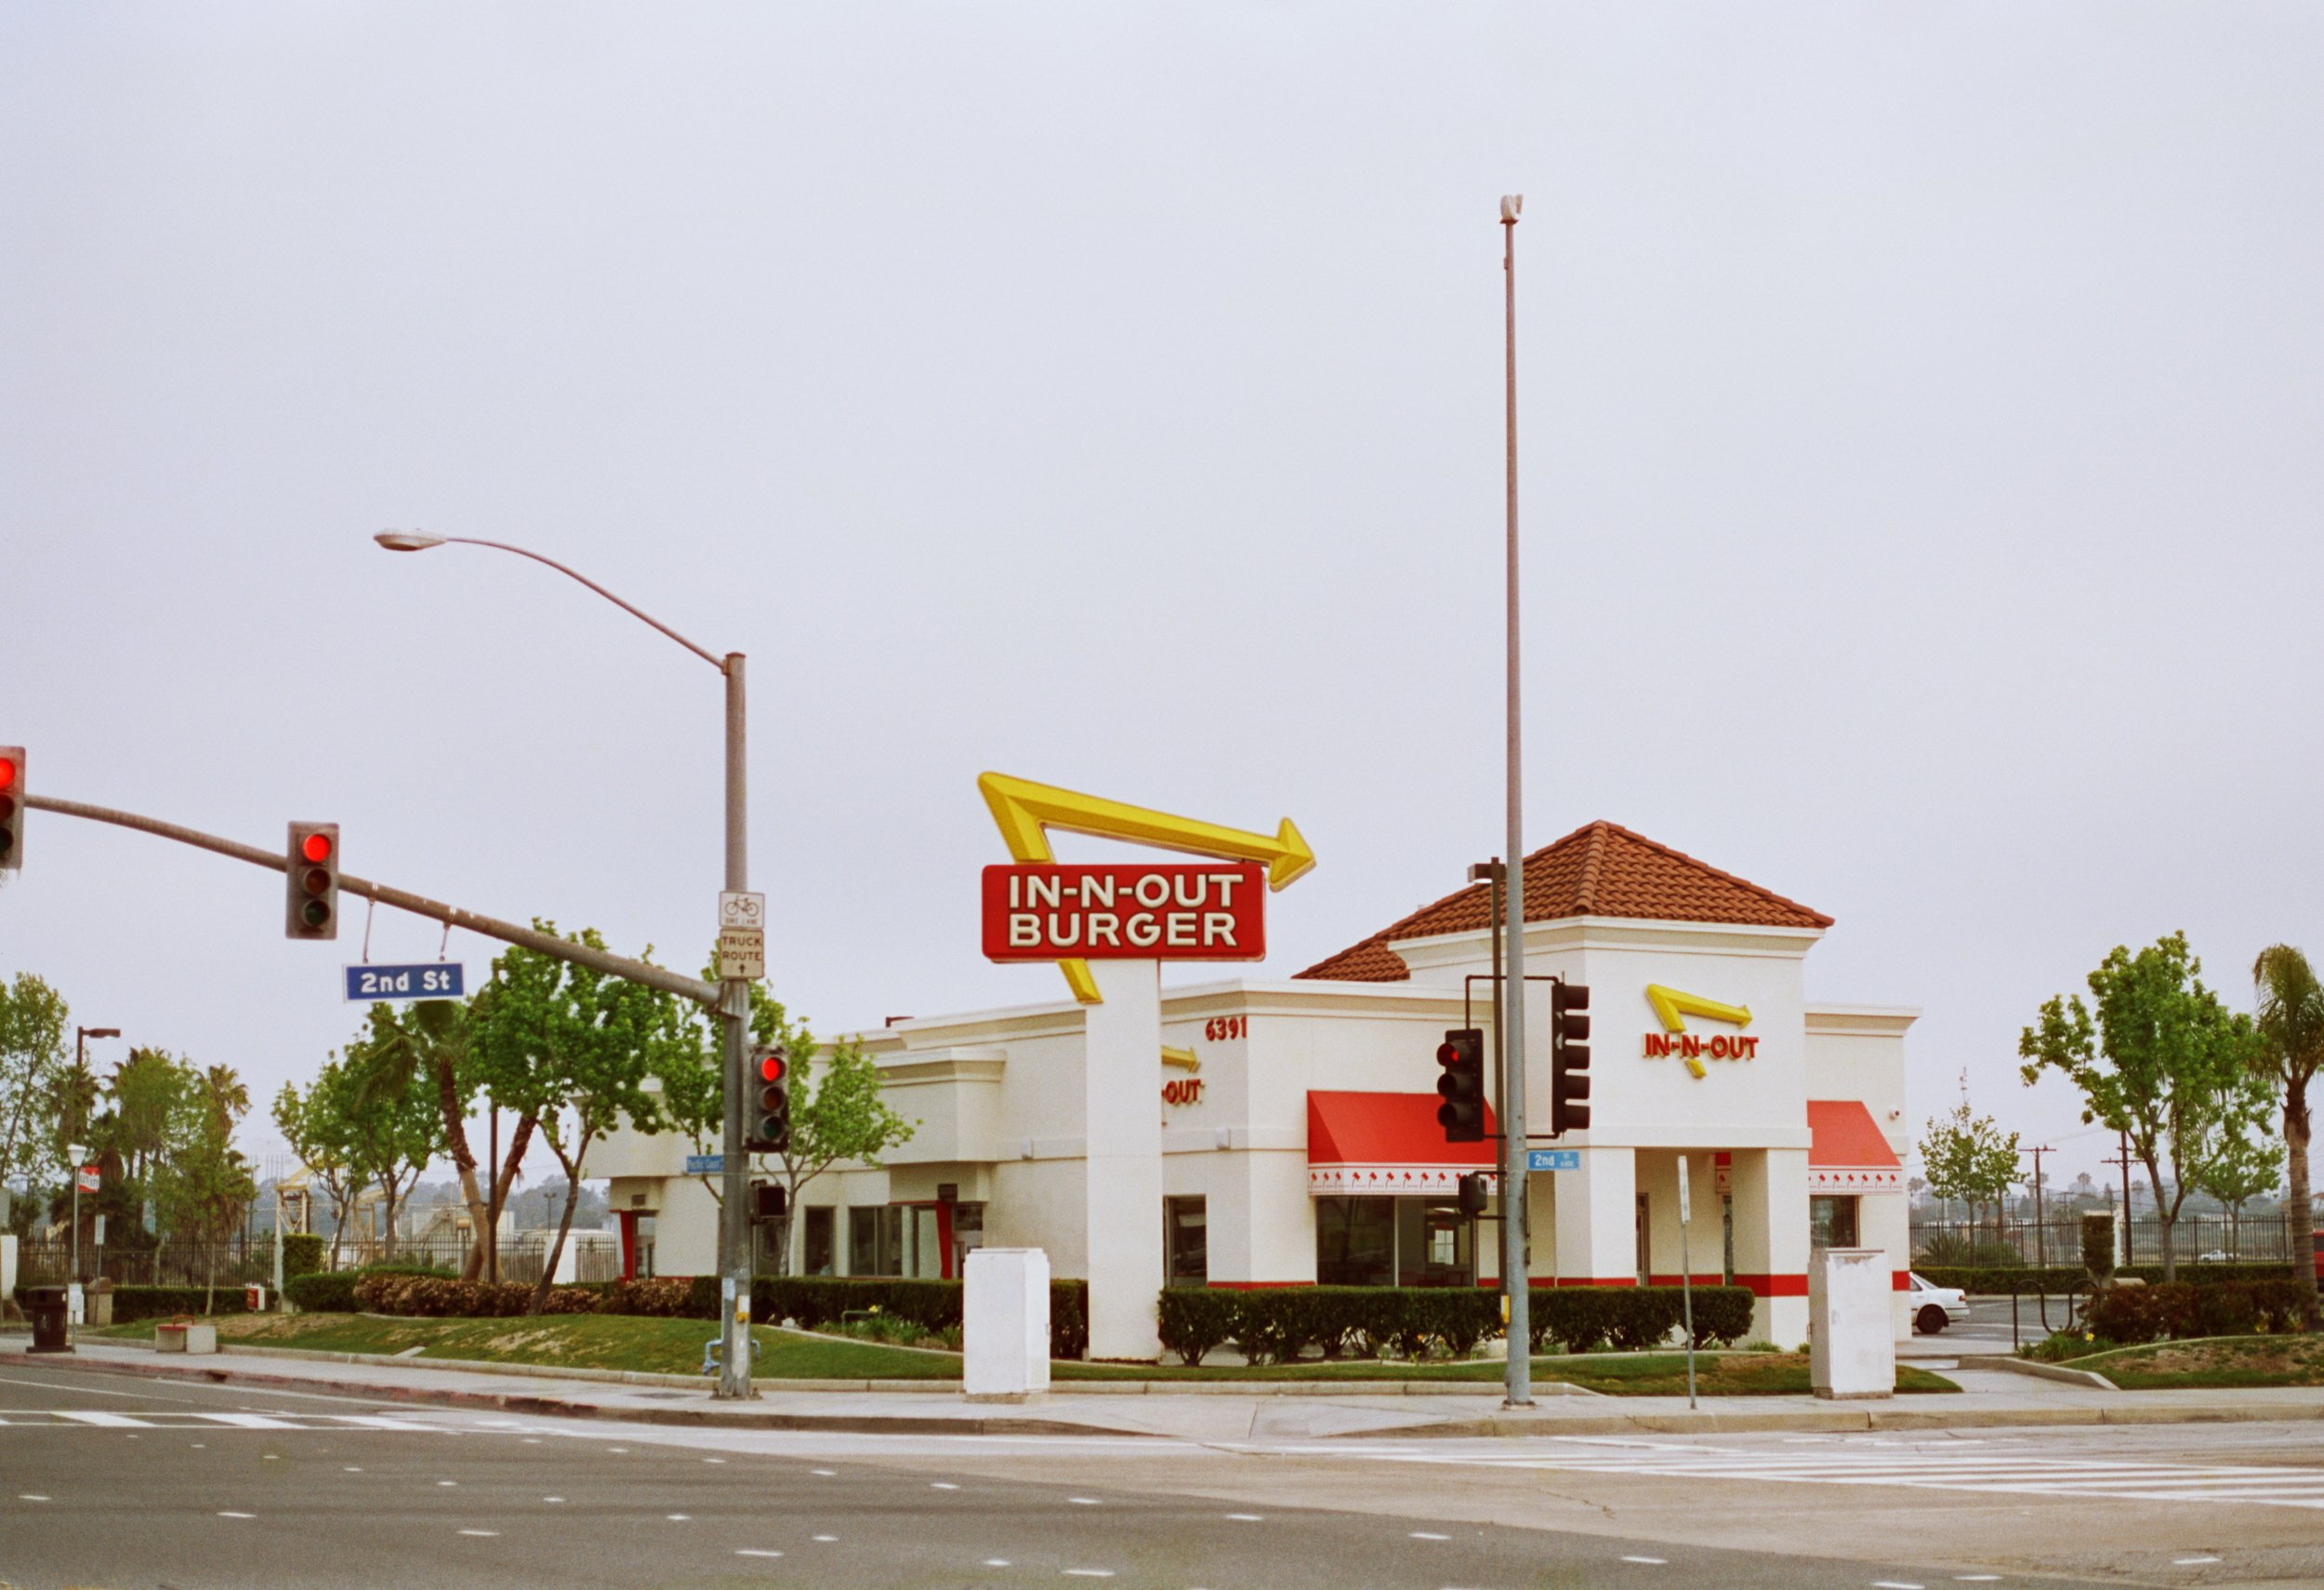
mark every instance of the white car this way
{"type": "Point", "coordinates": [1933, 1307]}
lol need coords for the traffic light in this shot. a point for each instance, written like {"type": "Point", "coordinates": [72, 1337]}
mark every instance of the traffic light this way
{"type": "Point", "coordinates": [1472, 1193]}
{"type": "Point", "coordinates": [11, 806]}
{"type": "Point", "coordinates": [769, 1202]}
{"type": "Point", "coordinates": [1569, 1057]}
{"type": "Point", "coordinates": [312, 880]}
{"type": "Point", "coordinates": [770, 1102]}
{"type": "Point", "coordinates": [1462, 1085]}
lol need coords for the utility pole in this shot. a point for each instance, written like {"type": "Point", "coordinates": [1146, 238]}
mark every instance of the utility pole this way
{"type": "Point", "coordinates": [1516, 1245]}
{"type": "Point", "coordinates": [2042, 1247]}
{"type": "Point", "coordinates": [2123, 1160]}
{"type": "Point", "coordinates": [80, 1035]}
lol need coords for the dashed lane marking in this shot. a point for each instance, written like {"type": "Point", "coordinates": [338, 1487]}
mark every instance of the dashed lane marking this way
{"type": "Point", "coordinates": [1650, 1561]}
{"type": "Point", "coordinates": [238, 1515]}
{"type": "Point", "coordinates": [482, 1534]}
{"type": "Point", "coordinates": [1246, 1517]}
{"type": "Point", "coordinates": [753, 1551]}
{"type": "Point", "coordinates": [1428, 1535]}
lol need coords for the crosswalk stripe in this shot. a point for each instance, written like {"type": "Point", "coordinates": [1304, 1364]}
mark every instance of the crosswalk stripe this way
{"type": "Point", "coordinates": [110, 1420]}
{"type": "Point", "coordinates": [1985, 1471]}
{"type": "Point", "coordinates": [250, 1421]}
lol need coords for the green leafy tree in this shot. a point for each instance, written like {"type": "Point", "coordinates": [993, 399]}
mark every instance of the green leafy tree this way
{"type": "Point", "coordinates": [433, 1040]}
{"type": "Point", "coordinates": [35, 1063]}
{"type": "Point", "coordinates": [147, 1096]}
{"type": "Point", "coordinates": [316, 1126]}
{"type": "Point", "coordinates": [1969, 1158]}
{"type": "Point", "coordinates": [2159, 1058]}
{"type": "Point", "coordinates": [2291, 1023]}
{"type": "Point", "coordinates": [838, 1113]}
{"type": "Point", "coordinates": [575, 1048]}
{"type": "Point", "coordinates": [2246, 1168]}
{"type": "Point", "coordinates": [398, 1128]}
{"type": "Point", "coordinates": [202, 1184]}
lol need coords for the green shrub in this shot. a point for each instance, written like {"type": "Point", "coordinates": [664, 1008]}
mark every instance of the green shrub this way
{"type": "Point", "coordinates": [933, 1305]}
{"type": "Point", "coordinates": [1580, 1318]}
{"type": "Point", "coordinates": [2099, 1253]}
{"type": "Point", "coordinates": [2131, 1316]}
{"type": "Point", "coordinates": [1196, 1320]}
{"type": "Point", "coordinates": [161, 1302]}
{"type": "Point", "coordinates": [446, 1297]}
{"type": "Point", "coordinates": [2026, 1280]}
{"type": "Point", "coordinates": [1954, 1250]}
{"type": "Point", "coordinates": [666, 1297]}
{"type": "Point", "coordinates": [302, 1256]}
{"type": "Point", "coordinates": [1723, 1315]}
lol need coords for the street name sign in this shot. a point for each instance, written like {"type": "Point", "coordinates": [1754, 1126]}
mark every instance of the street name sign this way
{"type": "Point", "coordinates": [425, 980]}
{"type": "Point", "coordinates": [742, 952]}
{"type": "Point", "coordinates": [1552, 1159]}
{"type": "Point", "coordinates": [706, 1164]}
{"type": "Point", "coordinates": [1133, 911]}
{"type": "Point", "coordinates": [88, 1178]}
{"type": "Point", "coordinates": [737, 909]}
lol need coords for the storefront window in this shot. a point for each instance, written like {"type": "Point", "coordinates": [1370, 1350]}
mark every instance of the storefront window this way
{"type": "Point", "coordinates": [815, 1260]}
{"type": "Point", "coordinates": [1355, 1241]}
{"type": "Point", "coordinates": [875, 1241]}
{"type": "Point", "coordinates": [1393, 1242]}
{"type": "Point", "coordinates": [1186, 1239]}
{"type": "Point", "coordinates": [1832, 1222]}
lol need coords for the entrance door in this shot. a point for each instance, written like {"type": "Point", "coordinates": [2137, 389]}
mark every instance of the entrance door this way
{"type": "Point", "coordinates": [1187, 1240]}
{"type": "Point", "coordinates": [1646, 1249]}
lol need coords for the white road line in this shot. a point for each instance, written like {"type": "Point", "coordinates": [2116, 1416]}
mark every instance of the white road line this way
{"type": "Point", "coordinates": [827, 1539]}
{"type": "Point", "coordinates": [1083, 1501]}
{"type": "Point", "coordinates": [1425, 1535]}
{"type": "Point", "coordinates": [1089, 1573]}
{"type": "Point", "coordinates": [28, 1496]}
{"type": "Point", "coordinates": [824, 1473]}
{"type": "Point", "coordinates": [1246, 1517]}
{"type": "Point", "coordinates": [481, 1534]}
{"type": "Point", "coordinates": [1650, 1561]}
{"type": "Point", "coordinates": [996, 1562]}
{"type": "Point", "coordinates": [2191, 1561]}
{"type": "Point", "coordinates": [108, 1420]}
{"type": "Point", "coordinates": [238, 1515]}
{"type": "Point", "coordinates": [680, 1517]}
{"type": "Point", "coordinates": [942, 1485]}
{"type": "Point", "coordinates": [753, 1551]}
{"type": "Point", "coordinates": [1896, 1584]}
{"type": "Point", "coordinates": [249, 1421]}
{"type": "Point", "coordinates": [552, 1499]}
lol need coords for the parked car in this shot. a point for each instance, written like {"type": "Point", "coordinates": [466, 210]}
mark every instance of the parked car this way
{"type": "Point", "coordinates": [2216, 1256]}
{"type": "Point", "coordinates": [1933, 1307]}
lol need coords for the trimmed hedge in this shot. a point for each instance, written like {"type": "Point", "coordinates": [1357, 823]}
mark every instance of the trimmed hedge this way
{"type": "Point", "coordinates": [302, 1256]}
{"type": "Point", "coordinates": [934, 1305]}
{"type": "Point", "coordinates": [1277, 1324]}
{"type": "Point", "coordinates": [2134, 1315]}
{"type": "Point", "coordinates": [165, 1302]}
{"type": "Point", "coordinates": [332, 1291]}
{"type": "Point", "coordinates": [2006, 1278]}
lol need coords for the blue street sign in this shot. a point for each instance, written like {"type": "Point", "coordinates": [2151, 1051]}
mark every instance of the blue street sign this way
{"type": "Point", "coordinates": [706, 1164]}
{"type": "Point", "coordinates": [427, 980]}
{"type": "Point", "coordinates": [1552, 1159]}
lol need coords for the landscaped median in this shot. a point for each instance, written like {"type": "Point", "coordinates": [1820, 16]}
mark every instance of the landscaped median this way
{"type": "Point", "coordinates": [2203, 1364]}
{"type": "Point", "coordinates": [674, 1347]}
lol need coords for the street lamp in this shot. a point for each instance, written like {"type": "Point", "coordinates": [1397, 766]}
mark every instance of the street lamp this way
{"type": "Point", "coordinates": [734, 998]}
{"type": "Point", "coordinates": [80, 1035]}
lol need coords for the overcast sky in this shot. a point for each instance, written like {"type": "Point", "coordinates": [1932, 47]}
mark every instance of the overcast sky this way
{"type": "Point", "coordinates": [1920, 426]}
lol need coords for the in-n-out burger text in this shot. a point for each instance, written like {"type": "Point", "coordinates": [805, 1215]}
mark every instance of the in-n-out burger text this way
{"type": "Point", "coordinates": [1181, 1089]}
{"type": "Point", "coordinates": [1694, 1046]}
{"type": "Point", "coordinates": [1155, 912]}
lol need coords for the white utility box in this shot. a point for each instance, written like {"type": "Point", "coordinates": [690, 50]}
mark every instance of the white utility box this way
{"type": "Point", "coordinates": [1852, 1323]}
{"type": "Point", "coordinates": [1004, 1324]}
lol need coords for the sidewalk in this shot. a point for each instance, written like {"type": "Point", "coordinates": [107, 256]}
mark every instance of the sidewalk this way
{"type": "Point", "coordinates": [1217, 1411]}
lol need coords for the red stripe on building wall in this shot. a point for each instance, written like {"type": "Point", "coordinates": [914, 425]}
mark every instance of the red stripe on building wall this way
{"type": "Point", "coordinates": [1254, 1285]}
{"type": "Point", "coordinates": [1674, 1278]}
{"type": "Point", "coordinates": [1775, 1286]}
{"type": "Point", "coordinates": [1585, 1280]}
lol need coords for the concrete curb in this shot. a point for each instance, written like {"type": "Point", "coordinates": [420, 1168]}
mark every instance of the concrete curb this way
{"type": "Point", "coordinates": [2013, 1365]}
{"type": "Point", "coordinates": [1711, 1422]}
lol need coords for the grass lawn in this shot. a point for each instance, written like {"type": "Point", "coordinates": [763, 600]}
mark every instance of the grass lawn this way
{"type": "Point", "coordinates": [574, 1341]}
{"type": "Point", "coordinates": [674, 1347]}
{"type": "Point", "coordinates": [2215, 1361]}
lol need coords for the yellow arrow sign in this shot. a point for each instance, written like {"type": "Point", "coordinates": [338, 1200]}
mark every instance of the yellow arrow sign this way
{"type": "Point", "coordinates": [1026, 811]}
{"type": "Point", "coordinates": [1674, 1007]}
{"type": "Point", "coordinates": [1184, 1059]}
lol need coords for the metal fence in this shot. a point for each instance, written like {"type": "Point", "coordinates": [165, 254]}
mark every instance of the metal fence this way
{"type": "Point", "coordinates": [241, 1261]}
{"type": "Point", "coordinates": [2253, 1240]}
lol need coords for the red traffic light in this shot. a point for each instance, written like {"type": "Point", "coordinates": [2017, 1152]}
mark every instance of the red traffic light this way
{"type": "Point", "coordinates": [1449, 1054]}
{"type": "Point", "coordinates": [770, 1067]}
{"type": "Point", "coordinates": [316, 847]}
{"type": "Point", "coordinates": [8, 772]}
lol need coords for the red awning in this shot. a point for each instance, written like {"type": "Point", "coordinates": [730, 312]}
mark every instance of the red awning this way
{"type": "Point", "coordinates": [1386, 1144]}
{"type": "Point", "coordinates": [1847, 1152]}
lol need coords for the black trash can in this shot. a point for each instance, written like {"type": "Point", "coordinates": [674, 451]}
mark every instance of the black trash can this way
{"type": "Point", "coordinates": [48, 1306]}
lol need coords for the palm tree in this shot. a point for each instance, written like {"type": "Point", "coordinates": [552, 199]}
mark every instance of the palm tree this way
{"type": "Point", "coordinates": [2292, 1022]}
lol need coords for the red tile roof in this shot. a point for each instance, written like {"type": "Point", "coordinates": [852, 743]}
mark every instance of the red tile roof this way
{"type": "Point", "coordinates": [1843, 1136]}
{"type": "Point", "coordinates": [1386, 1128]}
{"type": "Point", "coordinates": [1601, 869]}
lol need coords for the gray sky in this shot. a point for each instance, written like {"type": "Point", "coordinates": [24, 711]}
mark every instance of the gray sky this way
{"type": "Point", "coordinates": [1919, 452]}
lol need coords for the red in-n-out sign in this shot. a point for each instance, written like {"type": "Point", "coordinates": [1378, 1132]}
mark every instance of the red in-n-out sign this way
{"type": "Point", "coordinates": [1141, 911]}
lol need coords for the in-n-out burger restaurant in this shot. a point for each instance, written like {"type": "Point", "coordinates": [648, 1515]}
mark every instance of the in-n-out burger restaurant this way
{"type": "Point", "coordinates": [1286, 1133]}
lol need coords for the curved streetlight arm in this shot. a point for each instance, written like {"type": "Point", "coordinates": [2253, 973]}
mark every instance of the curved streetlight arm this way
{"type": "Point", "coordinates": [704, 653]}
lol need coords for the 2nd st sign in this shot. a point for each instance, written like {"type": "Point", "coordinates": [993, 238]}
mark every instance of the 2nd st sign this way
{"type": "Point", "coordinates": [427, 980]}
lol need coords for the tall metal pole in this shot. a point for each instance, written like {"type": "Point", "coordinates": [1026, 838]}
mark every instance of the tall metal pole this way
{"type": "Point", "coordinates": [80, 1135]}
{"type": "Point", "coordinates": [734, 1011]}
{"type": "Point", "coordinates": [1516, 1237]}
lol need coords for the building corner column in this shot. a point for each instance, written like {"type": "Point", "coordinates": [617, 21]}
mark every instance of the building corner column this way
{"type": "Point", "coordinates": [1122, 1173]}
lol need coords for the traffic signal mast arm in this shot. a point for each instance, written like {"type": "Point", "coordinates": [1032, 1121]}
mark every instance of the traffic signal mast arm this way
{"type": "Point", "coordinates": [418, 905]}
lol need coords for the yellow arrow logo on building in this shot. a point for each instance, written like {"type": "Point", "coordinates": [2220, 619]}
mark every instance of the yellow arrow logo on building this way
{"type": "Point", "coordinates": [1026, 811]}
{"type": "Point", "coordinates": [1674, 1005]}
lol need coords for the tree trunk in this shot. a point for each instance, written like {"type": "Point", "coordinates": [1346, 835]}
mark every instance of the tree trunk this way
{"type": "Point", "coordinates": [2167, 1219]}
{"type": "Point", "coordinates": [2299, 1214]}
{"type": "Point", "coordinates": [504, 1178]}
{"type": "Point", "coordinates": [564, 1225]}
{"type": "Point", "coordinates": [463, 1160]}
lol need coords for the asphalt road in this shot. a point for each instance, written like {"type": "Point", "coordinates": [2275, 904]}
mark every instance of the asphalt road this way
{"type": "Point", "coordinates": [112, 1481]}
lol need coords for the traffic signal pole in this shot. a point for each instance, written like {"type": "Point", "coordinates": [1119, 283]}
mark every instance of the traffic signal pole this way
{"type": "Point", "coordinates": [1516, 1245]}
{"type": "Point", "coordinates": [734, 1012]}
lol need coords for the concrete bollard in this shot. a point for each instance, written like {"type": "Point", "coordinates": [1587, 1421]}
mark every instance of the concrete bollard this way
{"type": "Point", "coordinates": [1852, 1342]}
{"type": "Point", "coordinates": [1004, 1322]}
